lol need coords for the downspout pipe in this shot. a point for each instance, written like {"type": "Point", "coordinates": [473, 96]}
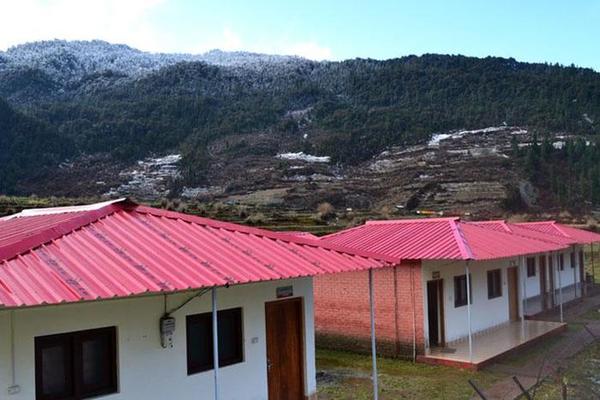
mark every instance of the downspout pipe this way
{"type": "Point", "coordinates": [467, 272]}
{"type": "Point", "coordinates": [373, 339]}
{"type": "Point", "coordinates": [215, 332]}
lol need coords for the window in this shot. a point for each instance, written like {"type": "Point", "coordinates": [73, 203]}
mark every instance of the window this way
{"type": "Point", "coordinates": [561, 262]}
{"type": "Point", "coordinates": [76, 365]}
{"type": "Point", "coordinates": [494, 279]}
{"type": "Point", "coordinates": [460, 290]}
{"type": "Point", "coordinates": [572, 259]}
{"type": "Point", "coordinates": [530, 267]}
{"type": "Point", "coordinates": [200, 340]}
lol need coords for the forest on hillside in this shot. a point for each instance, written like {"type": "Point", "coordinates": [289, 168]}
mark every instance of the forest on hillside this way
{"type": "Point", "coordinates": [348, 110]}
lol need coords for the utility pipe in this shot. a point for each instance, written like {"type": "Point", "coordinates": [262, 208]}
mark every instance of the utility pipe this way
{"type": "Point", "coordinates": [215, 332]}
{"type": "Point", "coordinates": [373, 341]}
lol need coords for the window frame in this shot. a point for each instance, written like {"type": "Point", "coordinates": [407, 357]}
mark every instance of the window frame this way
{"type": "Point", "coordinates": [531, 267]}
{"type": "Point", "coordinates": [73, 363]}
{"type": "Point", "coordinates": [494, 290]}
{"type": "Point", "coordinates": [573, 259]}
{"type": "Point", "coordinates": [465, 301]}
{"type": "Point", "coordinates": [196, 368]}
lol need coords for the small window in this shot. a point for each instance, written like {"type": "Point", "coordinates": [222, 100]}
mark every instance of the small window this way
{"type": "Point", "coordinates": [460, 290]}
{"type": "Point", "coordinates": [494, 279]}
{"type": "Point", "coordinates": [200, 340]}
{"type": "Point", "coordinates": [76, 365]}
{"type": "Point", "coordinates": [530, 267]}
{"type": "Point", "coordinates": [561, 262]}
{"type": "Point", "coordinates": [572, 259]}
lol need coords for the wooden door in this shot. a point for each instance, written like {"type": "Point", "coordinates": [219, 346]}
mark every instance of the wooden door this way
{"type": "Point", "coordinates": [435, 312]}
{"type": "Point", "coordinates": [543, 285]}
{"type": "Point", "coordinates": [285, 349]}
{"type": "Point", "coordinates": [513, 293]}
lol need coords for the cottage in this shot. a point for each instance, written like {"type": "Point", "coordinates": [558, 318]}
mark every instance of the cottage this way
{"type": "Point", "coordinates": [423, 308]}
{"type": "Point", "coordinates": [123, 301]}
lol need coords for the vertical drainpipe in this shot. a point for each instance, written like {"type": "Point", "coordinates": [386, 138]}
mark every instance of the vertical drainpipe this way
{"type": "Point", "coordinates": [560, 296]}
{"type": "Point", "coordinates": [373, 341]}
{"type": "Point", "coordinates": [521, 296]}
{"type": "Point", "coordinates": [215, 331]}
{"type": "Point", "coordinates": [12, 350]}
{"type": "Point", "coordinates": [575, 267]}
{"type": "Point", "coordinates": [593, 266]}
{"type": "Point", "coordinates": [414, 311]}
{"type": "Point", "coordinates": [469, 311]}
{"type": "Point", "coordinates": [525, 305]}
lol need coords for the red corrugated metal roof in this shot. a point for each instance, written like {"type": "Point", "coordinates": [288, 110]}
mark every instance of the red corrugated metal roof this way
{"type": "Point", "coordinates": [548, 231]}
{"type": "Point", "coordinates": [123, 249]}
{"type": "Point", "coordinates": [580, 236]}
{"type": "Point", "coordinates": [437, 239]}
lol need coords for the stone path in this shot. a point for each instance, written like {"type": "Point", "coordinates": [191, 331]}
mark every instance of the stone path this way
{"type": "Point", "coordinates": [551, 361]}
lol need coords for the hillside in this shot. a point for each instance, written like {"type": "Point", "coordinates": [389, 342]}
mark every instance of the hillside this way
{"type": "Point", "coordinates": [235, 118]}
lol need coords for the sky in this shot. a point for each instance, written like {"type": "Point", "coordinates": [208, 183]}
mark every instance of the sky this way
{"type": "Point", "coordinates": [556, 31]}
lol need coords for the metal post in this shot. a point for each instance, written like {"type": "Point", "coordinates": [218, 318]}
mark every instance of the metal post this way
{"type": "Point", "coordinates": [525, 272]}
{"type": "Point", "coordinates": [469, 312]}
{"type": "Point", "coordinates": [574, 267]}
{"type": "Point", "coordinates": [521, 296]}
{"type": "Point", "coordinates": [560, 296]}
{"type": "Point", "coordinates": [593, 266]}
{"type": "Point", "coordinates": [373, 341]}
{"type": "Point", "coordinates": [215, 331]}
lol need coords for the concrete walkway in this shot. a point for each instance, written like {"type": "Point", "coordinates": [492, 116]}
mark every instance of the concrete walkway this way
{"type": "Point", "coordinates": [551, 361]}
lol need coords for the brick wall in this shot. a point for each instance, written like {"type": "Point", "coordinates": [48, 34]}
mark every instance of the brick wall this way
{"type": "Point", "coordinates": [342, 318]}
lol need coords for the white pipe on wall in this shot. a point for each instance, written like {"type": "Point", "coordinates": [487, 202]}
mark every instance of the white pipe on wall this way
{"type": "Point", "coordinates": [373, 341]}
{"type": "Point", "coordinates": [215, 331]}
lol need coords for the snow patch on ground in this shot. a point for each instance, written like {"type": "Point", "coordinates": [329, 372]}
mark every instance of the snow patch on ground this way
{"type": "Point", "coordinates": [436, 138]}
{"type": "Point", "coordinates": [150, 178]}
{"type": "Point", "coordinates": [300, 156]}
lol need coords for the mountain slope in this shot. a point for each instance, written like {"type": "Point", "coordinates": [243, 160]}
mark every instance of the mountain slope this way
{"type": "Point", "coordinates": [222, 109]}
{"type": "Point", "coordinates": [27, 148]}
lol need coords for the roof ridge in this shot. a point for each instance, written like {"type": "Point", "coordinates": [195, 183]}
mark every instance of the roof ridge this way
{"type": "Point", "coordinates": [289, 238]}
{"type": "Point", "coordinates": [34, 212]}
{"type": "Point", "coordinates": [463, 245]}
{"type": "Point", "coordinates": [49, 234]}
{"type": "Point", "coordinates": [410, 220]}
{"type": "Point", "coordinates": [502, 222]}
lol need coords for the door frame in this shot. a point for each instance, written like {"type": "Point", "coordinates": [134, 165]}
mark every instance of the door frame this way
{"type": "Point", "coordinates": [302, 336]}
{"type": "Point", "coordinates": [439, 286]}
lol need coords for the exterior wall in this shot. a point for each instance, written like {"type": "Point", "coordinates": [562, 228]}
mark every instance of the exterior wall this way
{"type": "Point", "coordinates": [568, 276]}
{"type": "Point", "coordinates": [146, 370]}
{"type": "Point", "coordinates": [485, 313]}
{"type": "Point", "coordinates": [342, 313]}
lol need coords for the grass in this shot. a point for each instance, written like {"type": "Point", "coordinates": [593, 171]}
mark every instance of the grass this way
{"type": "Point", "coordinates": [581, 377]}
{"type": "Point", "coordinates": [347, 376]}
{"type": "Point", "coordinates": [592, 314]}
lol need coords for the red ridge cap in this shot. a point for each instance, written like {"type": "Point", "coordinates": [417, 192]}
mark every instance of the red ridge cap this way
{"type": "Point", "coordinates": [463, 246]}
{"type": "Point", "coordinates": [47, 235]}
{"type": "Point", "coordinates": [411, 220]}
{"type": "Point", "coordinates": [290, 238]}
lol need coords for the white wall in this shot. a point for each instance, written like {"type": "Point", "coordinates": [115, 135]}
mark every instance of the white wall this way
{"type": "Point", "coordinates": [485, 313]}
{"type": "Point", "coordinates": [147, 371]}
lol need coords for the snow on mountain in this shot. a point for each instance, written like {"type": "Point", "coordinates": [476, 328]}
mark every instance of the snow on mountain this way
{"type": "Point", "coordinates": [66, 61]}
